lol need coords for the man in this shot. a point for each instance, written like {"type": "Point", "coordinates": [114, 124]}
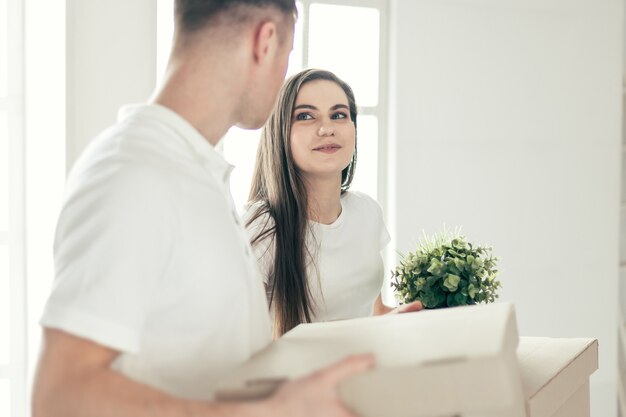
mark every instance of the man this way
{"type": "Point", "coordinates": [156, 296]}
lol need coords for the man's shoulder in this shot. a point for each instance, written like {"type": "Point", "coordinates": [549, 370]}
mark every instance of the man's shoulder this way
{"type": "Point", "coordinates": [132, 151]}
{"type": "Point", "coordinates": [122, 169]}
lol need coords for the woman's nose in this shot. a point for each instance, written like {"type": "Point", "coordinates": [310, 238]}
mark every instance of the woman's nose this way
{"type": "Point", "coordinates": [326, 131]}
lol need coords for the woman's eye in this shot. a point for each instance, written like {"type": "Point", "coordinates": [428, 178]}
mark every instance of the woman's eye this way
{"type": "Point", "coordinates": [340, 116]}
{"type": "Point", "coordinates": [303, 116]}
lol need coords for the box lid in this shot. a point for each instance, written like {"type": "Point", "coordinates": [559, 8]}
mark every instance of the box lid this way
{"type": "Point", "coordinates": [553, 369]}
{"type": "Point", "coordinates": [435, 358]}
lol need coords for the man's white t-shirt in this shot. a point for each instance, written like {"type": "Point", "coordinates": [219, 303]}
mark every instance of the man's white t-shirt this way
{"type": "Point", "coordinates": [346, 273]}
{"type": "Point", "coordinates": [152, 259]}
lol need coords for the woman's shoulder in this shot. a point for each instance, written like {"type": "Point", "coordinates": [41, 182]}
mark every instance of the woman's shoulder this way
{"type": "Point", "coordinates": [359, 201]}
{"type": "Point", "coordinates": [366, 217]}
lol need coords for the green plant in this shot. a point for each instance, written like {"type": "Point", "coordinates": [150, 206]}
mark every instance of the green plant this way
{"type": "Point", "coordinates": [447, 271]}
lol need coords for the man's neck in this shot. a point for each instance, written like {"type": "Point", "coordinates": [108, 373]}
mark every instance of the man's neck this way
{"type": "Point", "coordinates": [203, 92]}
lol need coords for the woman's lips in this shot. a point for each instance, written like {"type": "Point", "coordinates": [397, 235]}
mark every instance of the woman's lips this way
{"type": "Point", "coordinates": [328, 148]}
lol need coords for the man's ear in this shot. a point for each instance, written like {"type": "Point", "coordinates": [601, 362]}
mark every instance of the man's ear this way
{"type": "Point", "coordinates": [265, 41]}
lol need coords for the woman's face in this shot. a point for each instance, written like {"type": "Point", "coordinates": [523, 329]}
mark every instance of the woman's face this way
{"type": "Point", "coordinates": [322, 132]}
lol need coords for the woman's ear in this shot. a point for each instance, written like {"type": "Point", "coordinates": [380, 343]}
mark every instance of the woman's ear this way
{"type": "Point", "coordinates": [265, 42]}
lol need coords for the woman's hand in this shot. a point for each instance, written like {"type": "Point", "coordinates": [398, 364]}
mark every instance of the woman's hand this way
{"type": "Point", "coordinates": [380, 308]}
{"type": "Point", "coordinates": [408, 308]}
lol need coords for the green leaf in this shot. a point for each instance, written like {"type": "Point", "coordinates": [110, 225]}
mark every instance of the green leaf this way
{"type": "Point", "coordinates": [459, 263]}
{"type": "Point", "coordinates": [471, 291]}
{"type": "Point", "coordinates": [460, 299]}
{"type": "Point", "coordinates": [431, 280]}
{"type": "Point", "coordinates": [435, 267]}
{"type": "Point", "coordinates": [452, 282]}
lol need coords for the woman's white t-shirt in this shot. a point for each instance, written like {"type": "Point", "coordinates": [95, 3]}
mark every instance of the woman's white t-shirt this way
{"type": "Point", "coordinates": [347, 271]}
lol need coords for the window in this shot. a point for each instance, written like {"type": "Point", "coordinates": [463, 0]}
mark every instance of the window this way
{"type": "Point", "coordinates": [12, 225]}
{"type": "Point", "coordinates": [354, 49]}
{"type": "Point", "coordinates": [32, 175]}
{"type": "Point", "coordinates": [45, 162]}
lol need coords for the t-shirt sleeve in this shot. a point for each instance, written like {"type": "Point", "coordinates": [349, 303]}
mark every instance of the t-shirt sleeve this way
{"type": "Point", "coordinates": [384, 237]}
{"type": "Point", "coordinates": [112, 247]}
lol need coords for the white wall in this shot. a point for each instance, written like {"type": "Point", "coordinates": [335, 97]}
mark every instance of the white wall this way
{"type": "Point", "coordinates": [506, 120]}
{"type": "Point", "coordinates": [111, 58]}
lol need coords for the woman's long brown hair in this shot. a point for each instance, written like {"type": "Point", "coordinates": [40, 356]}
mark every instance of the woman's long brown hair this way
{"type": "Point", "coordinates": [279, 192]}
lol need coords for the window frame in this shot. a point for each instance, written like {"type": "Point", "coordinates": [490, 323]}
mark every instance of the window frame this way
{"type": "Point", "coordinates": [380, 111]}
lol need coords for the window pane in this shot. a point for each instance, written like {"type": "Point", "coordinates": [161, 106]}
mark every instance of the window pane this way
{"type": "Point", "coordinates": [5, 306]}
{"type": "Point", "coordinates": [240, 150]}
{"type": "Point", "coordinates": [295, 59]}
{"type": "Point", "coordinates": [4, 173]}
{"type": "Point", "coordinates": [165, 33]}
{"type": "Point", "coordinates": [366, 174]}
{"type": "Point", "coordinates": [345, 40]}
{"type": "Point", "coordinates": [5, 397]}
{"type": "Point", "coordinates": [4, 58]}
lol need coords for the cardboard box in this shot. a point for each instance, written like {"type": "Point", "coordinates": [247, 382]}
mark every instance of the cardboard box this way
{"type": "Point", "coordinates": [456, 361]}
{"type": "Point", "coordinates": [555, 375]}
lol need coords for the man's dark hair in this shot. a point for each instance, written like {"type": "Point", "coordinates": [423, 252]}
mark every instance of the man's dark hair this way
{"type": "Point", "coordinates": [192, 15]}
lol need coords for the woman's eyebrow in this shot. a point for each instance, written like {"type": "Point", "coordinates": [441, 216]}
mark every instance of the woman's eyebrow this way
{"type": "Point", "coordinates": [305, 106]}
{"type": "Point", "coordinates": [310, 106]}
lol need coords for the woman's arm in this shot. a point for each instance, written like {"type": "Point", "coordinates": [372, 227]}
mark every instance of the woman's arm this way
{"type": "Point", "coordinates": [379, 307]}
{"type": "Point", "coordinates": [74, 379]}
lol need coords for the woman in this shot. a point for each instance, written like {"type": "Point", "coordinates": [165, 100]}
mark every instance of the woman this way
{"type": "Point", "coordinates": [318, 244]}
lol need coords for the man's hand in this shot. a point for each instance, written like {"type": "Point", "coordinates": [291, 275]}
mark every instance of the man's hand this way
{"type": "Point", "coordinates": [318, 394]}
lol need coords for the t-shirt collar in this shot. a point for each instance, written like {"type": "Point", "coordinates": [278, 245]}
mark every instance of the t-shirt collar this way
{"type": "Point", "coordinates": [198, 143]}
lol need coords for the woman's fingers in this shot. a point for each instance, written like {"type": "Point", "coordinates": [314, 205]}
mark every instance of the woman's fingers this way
{"type": "Point", "coordinates": [409, 308]}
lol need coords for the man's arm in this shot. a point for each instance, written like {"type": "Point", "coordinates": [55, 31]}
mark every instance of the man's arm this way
{"type": "Point", "coordinates": [74, 379]}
